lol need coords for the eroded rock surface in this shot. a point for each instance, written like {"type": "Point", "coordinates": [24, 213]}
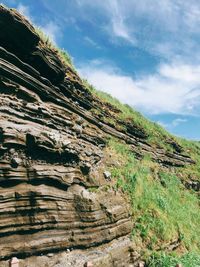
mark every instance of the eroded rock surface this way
{"type": "Point", "coordinates": [51, 145]}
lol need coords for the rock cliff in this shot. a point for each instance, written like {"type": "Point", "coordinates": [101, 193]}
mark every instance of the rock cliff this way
{"type": "Point", "coordinates": [52, 154]}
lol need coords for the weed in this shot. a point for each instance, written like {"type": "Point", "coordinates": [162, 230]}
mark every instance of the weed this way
{"type": "Point", "coordinates": [61, 53]}
{"type": "Point", "coordinates": [171, 260]}
{"type": "Point", "coordinates": [160, 213]}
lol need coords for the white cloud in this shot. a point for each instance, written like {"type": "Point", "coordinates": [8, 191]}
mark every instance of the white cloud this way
{"type": "Point", "coordinates": [52, 30]}
{"type": "Point", "coordinates": [120, 29]}
{"type": "Point", "coordinates": [111, 12]}
{"type": "Point", "coordinates": [118, 23]}
{"type": "Point", "coordinates": [181, 72]}
{"type": "Point", "coordinates": [174, 88]}
{"type": "Point", "coordinates": [165, 28]}
{"type": "Point", "coordinates": [161, 27]}
{"type": "Point", "coordinates": [178, 121]}
{"type": "Point", "coordinates": [24, 10]}
{"type": "Point", "coordinates": [163, 124]}
{"type": "Point", "coordinates": [171, 126]}
{"type": "Point", "coordinates": [91, 42]}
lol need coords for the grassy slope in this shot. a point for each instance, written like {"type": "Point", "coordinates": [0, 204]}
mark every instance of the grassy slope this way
{"type": "Point", "coordinates": [163, 210]}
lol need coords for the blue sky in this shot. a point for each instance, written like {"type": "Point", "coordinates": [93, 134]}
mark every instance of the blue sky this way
{"type": "Point", "coordinates": [146, 53]}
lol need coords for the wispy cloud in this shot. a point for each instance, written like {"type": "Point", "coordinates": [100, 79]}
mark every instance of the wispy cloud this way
{"type": "Point", "coordinates": [157, 26]}
{"type": "Point", "coordinates": [91, 42]}
{"type": "Point", "coordinates": [118, 22]}
{"type": "Point", "coordinates": [163, 124]}
{"type": "Point", "coordinates": [178, 121]}
{"type": "Point", "coordinates": [163, 28]}
{"type": "Point", "coordinates": [111, 13]}
{"type": "Point", "coordinates": [173, 88]}
{"type": "Point", "coordinates": [120, 30]}
{"type": "Point", "coordinates": [174, 124]}
{"type": "Point", "coordinates": [52, 30]}
{"type": "Point", "coordinates": [24, 10]}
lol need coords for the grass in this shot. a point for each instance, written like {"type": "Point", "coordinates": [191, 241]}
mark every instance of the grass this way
{"type": "Point", "coordinates": [190, 172]}
{"type": "Point", "coordinates": [156, 134]}
{"type": "Point", "coordinates": [61, 53]}
{"type": "Point", "coordinates": [170, 260]}
{"type": "Point", "coordinates": [163, 210]}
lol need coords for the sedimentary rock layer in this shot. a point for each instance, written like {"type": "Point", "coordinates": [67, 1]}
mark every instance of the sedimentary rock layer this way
{"type": "Point", "coordinates": [48, 146]}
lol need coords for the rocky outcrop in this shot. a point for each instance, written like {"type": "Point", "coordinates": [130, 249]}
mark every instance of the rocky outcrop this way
{"type": "Point", "coordinates": [51, 153]}
{"type": "Point", "coordinates": [49, 147]}
{"type": "Point", "coordinates": [109, 255]}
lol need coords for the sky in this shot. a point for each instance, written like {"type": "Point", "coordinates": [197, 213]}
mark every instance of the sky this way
{"type": "Point", "coordinates": [145, 53]}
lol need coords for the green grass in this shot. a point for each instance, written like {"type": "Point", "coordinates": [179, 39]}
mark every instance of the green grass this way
{"type": "Point", "coordinates": [163, 210]}
{"type": "Point", "coordinates": [61, 53]}
{"type": "Point", "coordinates": [190, 172]}
{"type": "Point", "coordinates": [170, 260]}
{"type": "Point", "coordinates": [156, 134]}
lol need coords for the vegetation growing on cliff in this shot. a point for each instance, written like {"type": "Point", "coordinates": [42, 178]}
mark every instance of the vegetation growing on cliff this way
{"type": "Point", "coordinates": [156, 134]}
{"type": "Point", "coordinates": [61, 53]}
{"type": "Point", "coordinates": [165, 215]}
{"type": "Point", "coordinates": [171, 260]}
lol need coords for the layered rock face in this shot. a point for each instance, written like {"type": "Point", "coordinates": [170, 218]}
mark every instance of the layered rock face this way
{"type": "Point", "coordinates": [52, 153]}
{"type": "Point", "coordinates": [50, 148]}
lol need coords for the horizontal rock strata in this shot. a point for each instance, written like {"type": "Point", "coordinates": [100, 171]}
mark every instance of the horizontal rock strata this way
{"type": "Point", "coordinates": [104, 255]}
